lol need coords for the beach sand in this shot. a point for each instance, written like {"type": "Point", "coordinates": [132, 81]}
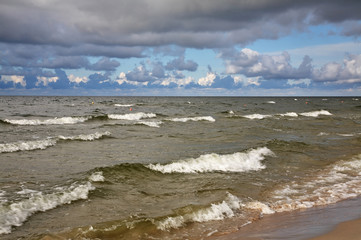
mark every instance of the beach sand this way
{"type": "Point", "coordinates": [338, 221]}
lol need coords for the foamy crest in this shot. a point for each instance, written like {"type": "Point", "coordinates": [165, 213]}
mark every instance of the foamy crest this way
{"type": "Point", "coordinates": [289, 114]}
{"type": "Point", "coordinates": [26, 145]}
{"type": "Point", "coordinates": [123, 105]}
{"type": "Point", "coordinates": [97, 177]}
{"type": "Point", "coordinates": [217, 211]}
{"type": "Point", "coordinates": [132, 116]}
{"type": "Point", "coordinates": [316, 113]}
{"type": "Point", "coordinates": [16, 213]}
{"type": "Point", "coordinates": [155, 124]}
{"type": "Point", "coordinates": [340, 181]}
{"type": "Point", "coordinates": [236, 162]}
{"type": "Point", "coordinates": [257, 116]}
{"type": "Point", "coordinates": [53, 121]}
{"type": "Point", "coordinates": [195, 119]}
{"type": "Point", "coordinates": [86, 137]}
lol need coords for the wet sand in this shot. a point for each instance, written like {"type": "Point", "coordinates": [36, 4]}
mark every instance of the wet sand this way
{"type": "Point", "coordinates": [350, 230]}
{"type": "Point", "coordinates": [338, 221]}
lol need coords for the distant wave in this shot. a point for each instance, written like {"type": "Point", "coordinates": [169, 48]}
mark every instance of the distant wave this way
{"type": "Point", "coordinates": [316, 113]}
{"type": "Point", "coordinates": [123, 105]}
{"type": "Point", "coordinates": [16, 213]}
{"type": "Point", "coordinates": [186, 119]}
{"type": "Point", "coordinates": [236, 162]}
{"type": "Point", "coordinates": [45, 143]}
{"type": "Point", "coordinates": [52, 121]}
{"type": "Point", "coordinates": [288, 114]}
{"type": "Point", "coordinates": [131, 116]}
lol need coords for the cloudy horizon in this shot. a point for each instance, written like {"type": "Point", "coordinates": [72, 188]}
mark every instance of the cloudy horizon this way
{"type": "Point", "coordinates": [177, 48]}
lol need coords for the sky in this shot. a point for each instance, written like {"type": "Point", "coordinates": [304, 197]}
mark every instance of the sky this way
{"type": "Point", "coordinates": [180, 48]}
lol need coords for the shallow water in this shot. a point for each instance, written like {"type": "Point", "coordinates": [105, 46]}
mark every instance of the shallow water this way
{"type": "Point", "coordinates": [139, 168]}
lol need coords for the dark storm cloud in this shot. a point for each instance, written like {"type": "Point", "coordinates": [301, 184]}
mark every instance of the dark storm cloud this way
{"type": "Point", "coordinates": [189, 23]}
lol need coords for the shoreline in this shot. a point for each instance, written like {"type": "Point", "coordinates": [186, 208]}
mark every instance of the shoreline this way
{"type": "Point", "coordinates": [337, 221]}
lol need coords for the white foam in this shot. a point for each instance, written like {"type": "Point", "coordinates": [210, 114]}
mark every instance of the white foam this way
{"type": "Point", "coordinates": [316, 113]}
{"type": "Point", "coordinates": [97, 177]}
{"type": "Point", "coordinates": [155, 124]}
{"type": "Point", "coordinates": [195, 119]}
{"type": "Point", "coordinates": [217, 211]}
{"type": "Point", "coordinates": [26, 145]}
{"type": "Point", "coordinates": [86, 137]}
{"type": "Point", "coordinates": [257, 116]}
{"type": "Point", "coordinates": [236, 162]}
{"type": "Point", "coordinates": [289, 114]}
{"type": "Point", "coordinates": [17, 213]}
{"type": "Point", "coordinates": [53, 121]}
{"type": "Point", "coordinates": [123, 105]}
{"type": "Point", "coordinates": [132, 116]}
{"type": "Point", "coordinates": [271, 102]}
{"type": "Point", "coordinates": [338, 182]}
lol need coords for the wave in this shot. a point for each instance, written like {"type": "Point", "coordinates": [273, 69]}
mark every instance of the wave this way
{"type": "Point", "coordinates": [131, 116]}
{"type": "Point", "coordinates": [84, 137]}
{"type": "Point", "coordinates": [217, 211]}
{"type": "Point", "coordinates": [236, 162]}
{"type": "Point", "coordinates": [26, 146]}
{"type": "Point", "coordinates": [123, 105]}
{"type": "Point", "coordinates": [45, 143]}
{"type": "Point", "coordinates": [155, 124]}
{"type": "Point", "coordinates": [52, 121]}
{"type": "Point", "coordinates": [257, 116]}
{"type": "Point", "coordinates": [338, 182]}
{"type": "Point", "coordinates": [16, 213]}
{"type": "Point", "coordinates": [186, 119]}
{"type": "Point", "coordinates": [288, 114]}
{"type": "Point", "coordinates": [316, 113]}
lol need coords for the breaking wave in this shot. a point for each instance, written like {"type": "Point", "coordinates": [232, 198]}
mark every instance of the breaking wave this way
{"type": "Point", "coordinates": [45, 143]}
{"type": "Point", "coordinates": [52, 121]}
{"type": "Point", "coordinates": [131, 116]}
{"type": "Point", "coordinates": [186, 119]}
{"type": "Point", "coordinates": [316, 113]}
{"type": "Point", "coordinates": [16, 213]}
{"type": "Point", "coordinates": [236, 162]}
{"type": "Point", "coordinates": [338, 182]}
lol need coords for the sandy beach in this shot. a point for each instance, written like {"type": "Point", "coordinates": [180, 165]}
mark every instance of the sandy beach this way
{"type": "Point", "coordinates": [347, 230]}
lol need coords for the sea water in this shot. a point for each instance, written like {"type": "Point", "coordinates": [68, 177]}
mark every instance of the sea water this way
{"type": "Point", "coordinates": [170, 167]}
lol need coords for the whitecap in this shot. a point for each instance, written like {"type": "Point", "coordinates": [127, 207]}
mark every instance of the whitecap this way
{"type": "Point", "coordinates": [316, 113]}
{"type": "Point", "coordinates": [53, 121]}
{"type": "Point", "coordinates": [97, 177]}
{"type": "Point", "coordinates": [26, 145]}
{"type": "Point", "coordinates": [123, 105]}
{"type": "Point", "coordinates": [271, 102]}
{"type": "Point", "coordinates": [289, 114]}
{"type": "Point", "coordinates": [257, 116]}
{"type": "Point", "coordinates": [155, 124]}
{"type": "Point", "coordinates": [86, 137]}
{"type": "Point", "coordinates": [15, 214]}
{"type": "Point", "coordinates": [236, 162]}
{"type": "Point", "coordinates": [131, 116]}
{"type": "Point", "coordinates": [217, 211]}
{"type": "Point", "coordinates": [195, 119]}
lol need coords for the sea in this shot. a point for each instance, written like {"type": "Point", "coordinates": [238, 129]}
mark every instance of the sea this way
{"type": "Point", "coordinates": [170, 167]}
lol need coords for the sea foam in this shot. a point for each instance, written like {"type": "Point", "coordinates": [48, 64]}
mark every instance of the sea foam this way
{"type": "Point", "coordinates": [131, 116]}
{"type": "Point", "coordinates": [53, 121]}
{"type": "Point", "coordinates": [217, 211]}
{"type": "Point", "coordinates": [26, 145]}
{"type": "Point", "coordinates": [15, 214]}
{"type": "Point", "coordinates": [195, 119]}
{"type": "Point", "coordinates": [45, 143]}
{"type": "Point", "coordinates": [316, 113]}
{"type": "Point", "coordinates": [236, 162]}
